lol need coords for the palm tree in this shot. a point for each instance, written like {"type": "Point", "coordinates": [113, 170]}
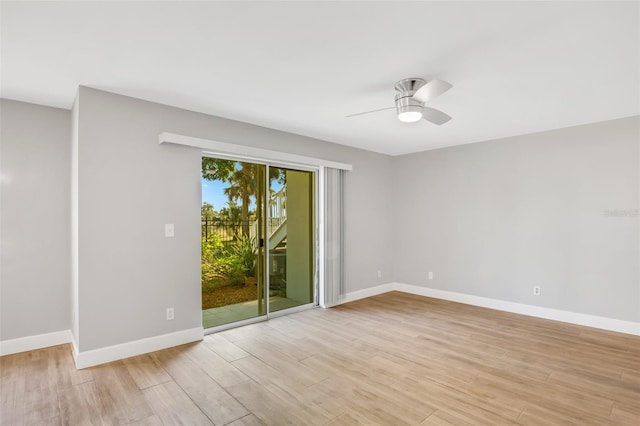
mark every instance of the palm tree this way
{"type": "Point", "coordinates": [207, 211]}
{"type": "Point", "coordinates": [243, 185]}
{"type": "Point", "coordinates": [242, 178]}
{"type": "Point", "coordinates": [230, 214]}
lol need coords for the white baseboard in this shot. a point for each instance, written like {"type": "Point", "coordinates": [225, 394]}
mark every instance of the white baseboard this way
{"type": "Point", "coordinates": [594, 321]}
{"type": "Point", "coordinates": [138, 347]}
{"type": "Point", "coordinates": [368, 292]}
{"type": "Point", "coordinates": [112, 353]}
{"type": "Point", "coordinates": [30, 343]}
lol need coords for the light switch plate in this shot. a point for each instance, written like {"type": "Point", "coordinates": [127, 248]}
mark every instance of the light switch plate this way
{"type": "Point", "coordinates": [168, 230]}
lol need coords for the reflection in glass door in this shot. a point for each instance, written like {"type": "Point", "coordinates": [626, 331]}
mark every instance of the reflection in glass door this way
{"type": "Point", "coordinates": [291, 239]}
{"type": "Point", "coordinates": [233, 219]}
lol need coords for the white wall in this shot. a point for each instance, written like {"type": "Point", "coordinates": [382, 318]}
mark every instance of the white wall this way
{"type": "Point", "coordinates": [129, 187]}
{"type": "Point", "coordinates": [494, 219]}
{"type": "Point", "coordinates": [34, 226]}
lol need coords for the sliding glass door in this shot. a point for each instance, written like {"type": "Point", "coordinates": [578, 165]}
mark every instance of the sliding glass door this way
{"type": "Point", "coordinates": [233, 220]}
{"type": "Point", "coordinates": [258, 240]}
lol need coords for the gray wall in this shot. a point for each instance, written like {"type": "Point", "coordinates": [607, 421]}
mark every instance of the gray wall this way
{"type": "Point", "coordinates": [489, 219]}
{"type": "Point", "coordinates": [34, 225]}
{"type": "Point", "coordinates": [129, 187]}
{"type": "Point", "coordinates": [494, 219]}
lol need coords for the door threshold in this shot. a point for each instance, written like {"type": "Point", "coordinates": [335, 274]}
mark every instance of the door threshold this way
{"type": "Point", "coordinates": [288, 311]}
{"type": "Point", "coordinates": [234, 324]}
{"type": "Point", "coordinates": [262, 318]}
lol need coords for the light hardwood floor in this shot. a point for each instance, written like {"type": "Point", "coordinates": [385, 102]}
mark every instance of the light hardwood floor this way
{"type": "Point", "coordinates": [392, 359]}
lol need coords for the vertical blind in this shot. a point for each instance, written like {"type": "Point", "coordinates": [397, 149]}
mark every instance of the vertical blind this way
{"type": "Point", "coordinates": [333, 237]}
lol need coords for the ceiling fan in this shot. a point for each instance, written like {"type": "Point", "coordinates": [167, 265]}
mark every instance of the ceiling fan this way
{"type": "Point", "coordinates": [413, 94]}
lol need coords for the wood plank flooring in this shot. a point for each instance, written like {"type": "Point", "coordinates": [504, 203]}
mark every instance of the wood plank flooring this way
{"type": "Point", "coordinates": [393, 359]}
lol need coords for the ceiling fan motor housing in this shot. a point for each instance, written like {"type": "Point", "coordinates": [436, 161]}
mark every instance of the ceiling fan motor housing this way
{"type": "Point", "coordinates": [406, 105]}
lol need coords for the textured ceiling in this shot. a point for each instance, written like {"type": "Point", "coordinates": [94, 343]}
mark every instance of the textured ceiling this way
{"type": "Point", "coordinates": [516, 67]}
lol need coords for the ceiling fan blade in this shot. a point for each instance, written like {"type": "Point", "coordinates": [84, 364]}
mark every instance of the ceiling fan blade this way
{"type": "Point", "coordinates": [434, 116]}
{"type": "Point", "coordinates": [431, 90]}
{"type": "Point", "coordinates": [369, 112]}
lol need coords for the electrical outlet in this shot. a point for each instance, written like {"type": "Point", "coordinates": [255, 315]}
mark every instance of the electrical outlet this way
{"type": "Point", "coordinates": [536, 290]}
{"type": "Point", "coordinates": [170, 314]}
{"type": "Point", "coordinates": [430, 275]}
{"type": "Point", "coordinates": [379, 274]}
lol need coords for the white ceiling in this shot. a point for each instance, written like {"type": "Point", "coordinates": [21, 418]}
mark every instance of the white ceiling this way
{"type": "Point", "coordinates": [516, 67]}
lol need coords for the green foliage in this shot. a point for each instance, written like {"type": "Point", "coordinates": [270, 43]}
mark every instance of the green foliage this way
{"type": "Point", "coordinates": [217, 169]}
{"type": "Point", "coordinates": [242, 179]}
{"type": "Point", "coordinates": [277, 174]}
{"type": "Point", "coordinates": [207, 211]}
{"type": "Point", "coordinates": [243, 249]}
{"type": "Point", "coordinates": [230, 214]}
{"type": "Point", "coordinates": [212, 249]}
{"type": "Point", "coordinates": [223, 265]}
{"type": "Point", "coordinates": [243, 183]}
{"type": "Point", "coordinates": [228, 270]}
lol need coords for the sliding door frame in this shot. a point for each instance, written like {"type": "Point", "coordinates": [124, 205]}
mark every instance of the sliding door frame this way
{"type": "Point", "coordinates": [318, 258]}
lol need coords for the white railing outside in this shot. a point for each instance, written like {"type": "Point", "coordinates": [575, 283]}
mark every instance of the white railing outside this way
{"type": "Point", "coordinates": [277, 215]}
{"type": "Point", "coordinates": [277, 210]}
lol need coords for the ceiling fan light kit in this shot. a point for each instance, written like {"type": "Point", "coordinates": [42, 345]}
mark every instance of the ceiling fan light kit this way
{"type": "Point", "coordinates": [408, 109]}
{"type": "Point", "coordinates": [409, 114]}
{"type": "Point", "coordinates": [410, 101]}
